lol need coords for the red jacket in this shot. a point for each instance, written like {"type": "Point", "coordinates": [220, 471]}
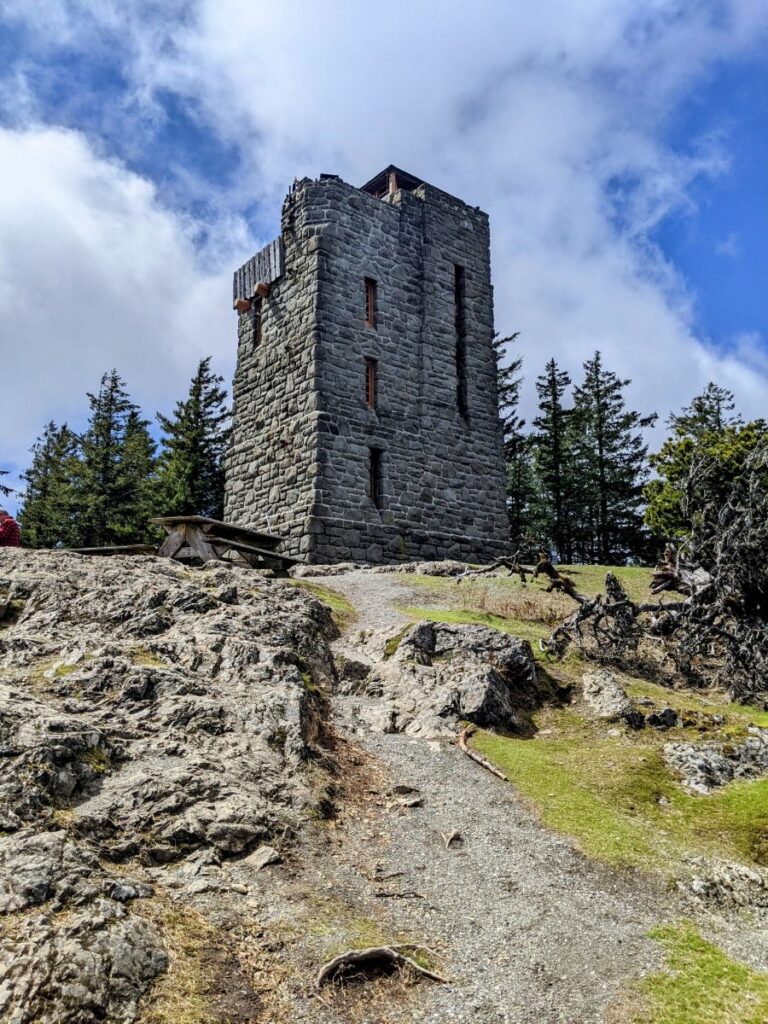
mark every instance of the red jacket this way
{"type": "Point", "coordinates": [10, 534]}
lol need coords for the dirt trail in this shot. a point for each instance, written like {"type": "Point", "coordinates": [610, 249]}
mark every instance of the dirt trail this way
{"type": "Point", "coordinates": [529, 929]}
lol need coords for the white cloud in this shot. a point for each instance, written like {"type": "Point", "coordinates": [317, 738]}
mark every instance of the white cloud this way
{"type": "Point", "coordinates": [94, 273]}
{"type": "Point", "coordinates": [535, 113]}
{"type": "Point", "coordinates": [553, 117]}
{"type": "Point", "coordinates": [729, 246]}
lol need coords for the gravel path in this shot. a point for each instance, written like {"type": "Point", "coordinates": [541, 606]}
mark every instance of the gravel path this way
{"type": "Point", "coordinates": [529, 929]}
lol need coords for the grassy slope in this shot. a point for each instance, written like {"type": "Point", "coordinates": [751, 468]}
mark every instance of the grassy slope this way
{"type": "Point", "coordinates": [701, 984]}
{"type": "Point", "coordinates": [613, 793]}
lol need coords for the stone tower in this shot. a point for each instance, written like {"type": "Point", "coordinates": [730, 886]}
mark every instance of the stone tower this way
{"type": "Point", "coordinates": [366, 422]}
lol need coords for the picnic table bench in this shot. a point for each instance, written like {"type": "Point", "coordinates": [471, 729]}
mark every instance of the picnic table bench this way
{"type": "Point", "coordinates": [198, 537]}
{"type": "Point", "coordinates": [118, 549]}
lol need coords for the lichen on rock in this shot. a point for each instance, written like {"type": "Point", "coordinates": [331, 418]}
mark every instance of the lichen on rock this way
{"type": "Point", "coordinates": [181, 726]}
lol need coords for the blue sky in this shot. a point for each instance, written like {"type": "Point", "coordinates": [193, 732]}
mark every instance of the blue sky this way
{"type": "Point", "coordinates": [620, 149]}
{"type": "Point", "coordinates": [722, 247]}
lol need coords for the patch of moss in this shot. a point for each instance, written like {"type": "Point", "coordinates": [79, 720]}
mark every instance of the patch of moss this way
{"type": "Point", "coordinates": [615, 796]}
{"type": "Point", "coordinates": [391, 646]}
{"type": "Point", "coordinates": [64, 817]}
{"type": "Point", "coordinates": [95, 758]}
{"type": "Point", "coordinates": [344, 928]}
{"type": "Point", "coordinates": [309, 684]}
{"type": "Point", "coordinates": [143, 657]}
{"type": "Point", "coordinates": [701, 985]}
{"type": "Point", "coordinates": [342, 612]}
{"type": "Point", "coordinates": [64, 670]}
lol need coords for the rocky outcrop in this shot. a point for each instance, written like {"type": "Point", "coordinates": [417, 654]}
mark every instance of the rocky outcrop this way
{"type": "Point", "coordinates": [433, 675]}
{"type": "Point", "coordinates": [704, 767]}
{"type": "Point", "coordinates": [726, 884]}
{"type": "Point", "coordinates": [148, 713]}
{"type": "Point", "coordinates": [446, 567]}
{"type": "Point", "coordinates": [606, 698]}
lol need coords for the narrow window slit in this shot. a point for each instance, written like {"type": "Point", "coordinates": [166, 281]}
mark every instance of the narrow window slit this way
{"type": "Point", "coordinates": [370, 383]}
{"type": "Point", "coordinates": [460, 318]}
{"type": "Point", "coordinates": [375, 475]}
{"type": "Point", "coordinates": [370, 302]}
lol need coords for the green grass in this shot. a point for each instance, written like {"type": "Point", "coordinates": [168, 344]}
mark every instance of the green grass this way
{"type": "Point", "coordinates": [701, 984]}
{"type": "Point", "coordinates": [64, 670]}
{"type": "Point", "coordinates": [589, 580]}
{"type": "Point", "coordinates": [530, 631]}
{"type": "Point", "coordinates": [605, 792]}
{"type": "Point", "coordinates": [143, 657]}
{"type": "Point", "coordinates": [343, 613]}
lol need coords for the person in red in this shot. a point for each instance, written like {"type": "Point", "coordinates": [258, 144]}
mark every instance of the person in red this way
{"type": "Point", "coordinates": [10, 534]}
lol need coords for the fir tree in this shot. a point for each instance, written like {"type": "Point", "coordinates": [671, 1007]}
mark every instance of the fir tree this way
{"type": "Point", "coordinates": [708, 431]}
{"type": "Point", "coordinates": [611, 461]}
{"type": "Point", "coordinates": [47, 515]}
{"type": "Point", "coordinates": [553, 462]}
{"type": "Point", "coordinates": [191, 472]}
{"type": "Point", "coordinates": [710, 412]}
{"type": "Point", "coordinates": [508, 382]}
{"type": "Point", "coordinates": [520, 480]}
{"type": "Point", "coordinates": [5, 491]}
{"type": "Point", "coordinates": [136, 484]}
{"type": "Point", "coordinates": [100, 489]}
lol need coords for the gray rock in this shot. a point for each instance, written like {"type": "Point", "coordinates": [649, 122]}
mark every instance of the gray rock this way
{"type": "Point", "coordinates": [168, 713]}
{"type": "Point", "coordinates": [606, 698]}
{"type": "Point", "coordinates": [667, 718]}
{"type": "Point", "coordinates": [96, 966]}
{"type": "Point", "coordinates": [726, 884]}
{"type": "Point", "coordinates": [300, 572]}
{"type": "Point", "coordinates": [704, 767]}
{"type": "Point", "coordinates": [261, 857]}
{"type": "Point", "coordinates": [446, 567]}
{"type": "Point", "coordinates": [441, 674]}
{"type": "Point", "coordinates": [352, 675]}
{"type": "Point", "coordinates": [42, 867]}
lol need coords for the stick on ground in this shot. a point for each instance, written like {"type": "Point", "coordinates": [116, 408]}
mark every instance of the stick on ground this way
{"type": "Point", "coordinates": [462, 741]}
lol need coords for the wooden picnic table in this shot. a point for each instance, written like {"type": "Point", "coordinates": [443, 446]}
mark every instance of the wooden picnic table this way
{"type": "Point", "coordinates": [209, 540]}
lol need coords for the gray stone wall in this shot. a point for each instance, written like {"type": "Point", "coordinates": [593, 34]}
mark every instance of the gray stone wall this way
{"type": "Point", "coordinates": [303, 386]}
{"type": "Point", "coordinates": [272, 463]}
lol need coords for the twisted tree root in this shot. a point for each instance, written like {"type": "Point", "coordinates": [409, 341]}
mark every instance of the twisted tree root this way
{"type": "Point", "coordinates": [384, 955]}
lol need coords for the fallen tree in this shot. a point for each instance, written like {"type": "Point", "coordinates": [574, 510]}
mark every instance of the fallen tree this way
{"type": "Point", "coordinates": [718, 633]}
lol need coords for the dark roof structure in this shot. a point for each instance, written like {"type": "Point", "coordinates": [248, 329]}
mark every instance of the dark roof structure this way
{"type": "Point", "coordinates": [391, 179]}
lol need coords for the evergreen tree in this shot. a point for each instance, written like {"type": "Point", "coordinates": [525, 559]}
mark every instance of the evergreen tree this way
{"type": "Point", "coordinates": [611, 462]}
{"type": "Point", "coordinates": [5, 491]}
{"type": "Point", "coordinates": [100, 485]}
{"type": "Point", "coordinates": [553, 462]}
{"type": "Point", "coordinates": [508, 382]}
{"type": "Point", "coordinates": [135, 496]}
{"type": "Point", "coordinates": [706, 431]}
{"type": "Point", "coordinates": [710, 412]}
{"type": "Point", "coordinates": [521, 497]}
{"type": "Point", "coordinates": [47, 515]}
{"type": "Point", "coordinates": [517, 450]}
{"type": "Point", "coordinates": [191, 471]}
